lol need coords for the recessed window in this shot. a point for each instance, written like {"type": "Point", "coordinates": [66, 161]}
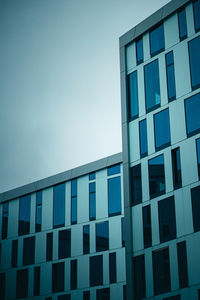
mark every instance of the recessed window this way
{"type": "Point", "coordinates": [182, 264]}
{"type": "Point", "coordinates": [59, 205]}
{"type": "Point", "coordinates": [86, 239]}
{"type": "Point", "coordinates": [146, 213]}
{"type": "Point", "coordinates": [112, 267]}
{"type": "Point", "coordinates": [49, 246]}
{"type": "Point", "coordinates": [198, 155]}
{"type": "Point", "coordinates": [103, 294]}
{"type": "Point", "coordinates": [92, 200]}
{"type": "Point", "coordinates": [58, 277]}
{"type": "Point", "coordinates": [156, 176]}
{"type": "Point", "coordinates": [36, 291]}
{"type": "Point", "coordinates": [24, 215]}
{"type": "Point", "coordinates": [139, 277]}
{"type": "Point", "coordinates": [177, 297]}
{"type": "Point", "coordinates": [74, 201]}
{"type": "Point", "coordinates": [4, 232]}
{"type": "Point", "coordinates": [2, 285]}
{"type": "Point", "coordinates": [29, 251]}
{"type": "Point", "coordinates": [192, 112]}
{"type": "Point", "coordinates": [167, 219]}
{"type": "Point", "coordinates": [14, 253]}
{"type": "Point", "coordinates": [196, 9]}
{"type": "Point", "coordinates": [152, 85]}
{"type": "Point", "coordinates": [176, 168]}
{"type": "Point", "coordinates": [194, 55]}
{"type": "Point", "coordinates": [113, 170]}
{"type": "Point", "coordinates": [143, 138]}
{"type": "Point", "coordinates": [171, 88]}
{"type": "Point", "coordinates": [114, 196]}
{"type": "Point", "coordinates": [102, 236]}
{"type": "Point", "coordinates": [162, 129]}
{"type": "Point", "coordinates": [182, 24]}
{"type": "Point", "coordinates": [133, 95]}
{"type": "Point", "coordinates": [195, 196]}
{"type": "Point", "coordinates": [86, 295]}
{"type": "Point", "coordinates": [96, 270]}
{"type": "Point", "coordinates": [157, 40]}
{"type": "Point", "coordinates": [64, 297]}
{"type": "Point", "coordinates": [123, 233]}
{"type": "Point", "coordinates": [64, 245]}
{"type": "Point", "coordinates": [92, 176]}
{"type": "Point", "coordinates": [22, 284]}
{"type": "Point", "coordinates": [74, 274]}
{"type": "Point", "coordinates": [38, 212]}
{"type": "Point", "coordinates": [136, 185]}
{"type": "Point", "coordinates": [139, 51]}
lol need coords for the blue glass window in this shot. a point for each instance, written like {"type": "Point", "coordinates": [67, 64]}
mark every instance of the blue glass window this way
{"type": "Point", "coordinates": [112, 267]}
{"type": "Point", "coordinates": [157, 40]}
{"type": "Point", "coordinates": [123, 233]}
{"type": "Point", "coordinates": [152, 85]}
{"type": "Point", "coordinates": [92, 176]}
{"type": "Point", "coordinates": [14, 253]}
{"type": "Point", "coordinates": [176, 168]}
{"type": "Point", "coordinates": [143, 138]}
{"type": "Point", "coordinates": [29, 251]}
{"type": "Point", "coordinates": [169, 58]}
{"type": "Point", "coordinates": [2, 285]}
{"type": "Point", "coordinates": [113, 170]}
{"type": "Point", "coordinates": [195, 196]}
{"type": "Point", "coordinates": [182, 24]}
{"type": "Point", "coordinates": [74, 201]}
{"type": "Point", "coordinates": [74, 274]}
{"type": "Point", "coordinates": [146, 213]}
{"type": "Point", "coordinates": [182, 264]}
{"type": "Point", "coordinates": [196, 9]}
{"type": "Point", "coordinates": [96, 270]}
{"type": "Point", "coordinates": [103, 294]}
{"type": "Point", "coordinates": [36, 291]}
{"type": "Point", "coordinates": [58, 277]}
{"type": "Point", "coordinates": [38, 213]}
{"type": "Point", "coordinates": [192, 111]}
{"type": "Point", "coordinates": [86, 239]}
{"type": "Point", "coordinates": [24, 215]}
{"type": "Point", "coordinates": [22, 284]}
{"type": "Point", "coordinates": [139, 51]}
{"type": "Point", "coordinates": [156, 176]}
{"type": "Point", "coordinates": [198, 155]}
{"type": "Point", "coordinates": [102, 236]}
{"type": "Point", "coordinates": [64, 249]}
{"type": "Point", "coordinates": [92, 200]}
{"type": "Point", "coordinates": [133, 95]}
{"type": "Point", "coordinates": [162, 129]}
{"type": "Point", "coordinates": [136, 185]}
{"type": "Point", "coordinates": [139, 277]}
{"type": "Point", "coordinates": [59, 205]}
{"type": "Point", "coordinates": [5, 221]}
{"type": "Point", "coordinates": [49, 246]}
{"type": "Point", "coordinates": [114, 196]}
{"type": "Point", "coordinates": [194, 54]}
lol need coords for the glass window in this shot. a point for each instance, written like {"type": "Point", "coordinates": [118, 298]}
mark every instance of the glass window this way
{"type": "Point", "coordinates": [102, 236]}
{"type": "Point", "coordinates": [92, 199]}
{"type": "Point", "coordinates": [146, 213]}
{"type": "Point", "coordinates": [157, 40]}
{"type": "Point", "coordinates": [64, 249]}
{"type": "Point", "coordinates": [139, 51]}
{"type": "Point", "coordinates": [74, 201]}
{"type": "Point", "coordinates": [194, 55]}
{"type": "Point", "coordinates": [182, 264]}
{"type": "Point", "coordinates": [64, 297]}
{"type": "Point", "coordinates": [22, 284]}
{"type": "Point", "coordinates": [112, 267]}
{"type": "Point", "coordinates": [152, 85]}
{"type": "Point", "coordinates": [113, 170]}
{"type": "Point", "coordinates": [169, 59]}
{"type": "Point", "coordinates": [177, 297]}
{"type": "Point", "coordinates": [196, 8]}
{"type": "Point", "coordinates": [182, 24]}
{"type": "Point", "coordinates": [139, 277]}
{"type": "Point", "coordinates": [195, 196]}
{"type": "Point", "coordinates": [103, 294]}
{"type": "Point", "coordinates": [74, 274]}
{"type": "Point", "coordinates": [5, 221]}
{"type": "Point", "coordinates": [123, 233]}
{"type": "Point", "coordinates": [24, 215]}
{"type": "Point", "coordinates": [156, 176]}
{"type": "Point", "coordinates": [136, 185]}
{"type": "Point", "coordinates": [198, 155]}
{"type": "Point", "coordinates": [162, 129]}
{"type": "Point", "coordinates": [14, 253]}
{"type": "Point", "coordinates": [192, 111]}
{"type": "Point", "coordinates": [167, 219]}
{"type": "Point", "coordinates": [133, 95]}
{"type": "Point", "coordinates": [92, 176]}
{"type": "Point", "coordinates": [29, 251]}
{"type": "Point", "coordinates": [48, 298]}
{"type": "Point", "coordinates": [161, 271]}
{"type": "Point", "coordinates": [114, 196]}
{"type": "Point", "coordinates": [49, 246]}
{"type": "Point", "coordinates": [58, 277]}
{"type": "Point", "coordinates": [176, 168]}
{"type": "Point", "coordinates": [2, 285]}
{"type": "Point", "coordinates": [59, 205]}
{"type": "Point", "coordinates": [38, 213]}
{"type": "Point", "coordinates": [86, 239]}
{"type": "Point", "coordinates": [143, 138]}
{"type": "Point", "coordinates": [96, 270]}
{"type": "Point", "coordinates": [36, 291]}
{"type": "Point", "coordinates": [124, 292]}
{"type": "Point", "coordinates": [86, 295]}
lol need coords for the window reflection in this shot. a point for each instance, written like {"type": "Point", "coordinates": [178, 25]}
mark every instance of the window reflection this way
{"type": "Point", "coordinates": [156, 176]}
{"type": "Point", "coordinates": [24, 215]}
{"type": "Point", "coordinates": [157, 40]}
{"type": "Point", "coordinates": [192, 112]}
{"type": "Point", "coordinates": [194, 54]}
{"type": "Point", "coordinates": [162, 129]}
{"type": "Point", "coordinates": [102, 236]}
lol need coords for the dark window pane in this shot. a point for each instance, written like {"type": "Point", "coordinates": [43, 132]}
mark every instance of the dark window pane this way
{"type": "Point", "coordinates": [92, 200]}
{"type": "Point", "coordinates": [22, 284]}
{"type": "Point", "coordinates": [58, 277]}
{"type": "Point", "coordinates": [136, 185]}
{"type": "Point", "coordinates": [113, 170]}
{"type": "Point", "coordinates": [177, 297]}
{"type": "Point", "coordinates": [195, 195]}
{"type": "Point", "coordinates": [38, 217]}
{"type": "Point", "coordinates": [182, 264]}
{"type": "Point", "coordinates": [49, 246]}
{"type": "Point", "coordinates": [64, 249]}
{"type": "Point", "coordinates": [14, 253]}
{"type": "Point", "coordinates": [24, 215]}
{"type": "Point", "coordinates": [139, 51]}
{"type": "Point", "coordinates": [102, 236]}
{"type": "Point", "coordinates": [152, 85]}
{"type": "Point", "coordinates": [198, 155]}
{"type": "Point", "coordinates": [5, 221]}
{"type": "Point", "coordinates": [92, 176]}
{"type": "Point", "coordinates": [64, 297]}
{"type": "Point", "coordinates": [169, 57]}
{"type": "Point", "coordinates": [112, 267]}
{"type": "Point", "coordinates": [182, 24]}
{"type": "Point", "coordinates": [36, 281]}
{"type": "Point", "coordinates": [143, 138]}
{"type": "Point", "coordinates": [114, 196]}
{"type": "Point", "coordinates": [74, 274]}
{"type": "Point", "coordinates": [103, 294]}
{"type": "Point", "coordinates": [74, 201]}
{"type": "Point", "coordinates": [86, 295]}
{"type": "Point", "coordinates": [74, 188]}
{"type": "Point", "coordinates": [176, 167]}
{"type": "Point", "coordinates": [167, 219]}
{"type": "Point", "coordinates": [139, 277]}
{"type": "Point", "coordinates": [196, 7]}
{"type": "Point", "coordinates": [86, 239]}
{"type": "Point", "coordinates": [162, 129]}
{"type": "Point", "coordinates": [48, 298]}
{"type": "Point", "coordinates": [96, 270]}
{"type": "Point", "coordinates": [194, 55]}
{"type": "Point", "coordinates": [29, 251]}
{"type": "Point", "coordinates": [192, 111]}
{"type": "Point", "coordinates": [59, 205]}
{"type": "Point", "coordinates": [123, 233]}
{"type": "Point", "coordinates": [161, 271]}
{"type": "Point", "coordinates": [124, 292]}
{"type": "Point", "coordinates": [2, 285]}
{"type": "Point", "coordinates": [157, 40]}
{"type": "Point", "coordinates": [132, 95]}
{"type": "Point", "coordinates": [146, 212]}
{"type": "Point", "coordinates": [156, 176]}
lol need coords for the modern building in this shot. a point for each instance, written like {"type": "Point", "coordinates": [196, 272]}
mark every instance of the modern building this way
{"type": "Point", "coordinates": [160, 89]}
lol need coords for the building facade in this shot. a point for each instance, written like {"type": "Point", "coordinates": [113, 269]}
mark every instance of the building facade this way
{"type": "Point", "coordinates": [160, 81]}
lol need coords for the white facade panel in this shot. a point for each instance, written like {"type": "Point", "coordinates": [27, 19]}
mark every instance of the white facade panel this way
{"type": "Point", "coordinates": [188, 162]}
{"type": "Point", "coordinates": [47, 209]}
{"type": "Point", "coordinates": [137, 228]}
{"type": "Point", "coordinates": [32, 216]}
{"type": "Point", "coordinates": [101, 195]}
{"type": "Point", "coordinates": [171, 31]}
{"type": "Point", "coordinates": [134, 141]}
{"type": "Point", "coordinates": [115, 232]}
{"type": "Point", "coordinates": [146, 46]}
{"type": "Point", "coordinates": [177, 121]}
{"type": "Point", "coordinates": [193, 246]}
{"type": "Point", "coordinates": [13, 218]}
{"type": "Point", "coordinates": [130, 57]}
{"type": "Point", "coordinates": [83, 272]}
{"type": "Point", "coordinates": [76, 240]}
{"type": "Point", "coordinates": [190, 20]}
{"type": "Point", "coordinates": [45, 278]}
{"type": "Point", "coordinates": [40, 247]}
{"type": "Point", "coordinates": [173, 266]}
{"type": "Point", "coordinates": [83, 199]}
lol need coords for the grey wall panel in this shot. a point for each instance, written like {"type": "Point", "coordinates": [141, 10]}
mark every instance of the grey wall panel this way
{"type": "Point", "coordinates": [40, 247]}
{"type": "Point", "coordinates": [171, 31]}
{"type": "Point", "coordinates": [115, 232]}
{"type": "Point", "coordinates": [83, 199]}
{"type": "Point", "coordinates": [193, 247]}
{"type": "Point", "coordinates": [188, 162]}
{"type": "Point", "coordinates": [83, 272]}
{"type": "Point", "coordinates": [105, 268]}
{"type": "Point", "coordinates": [146, 46]}
{"type": "Point", "coordinates": [47, 209]}
{"type": "Point", "coordinates": [76, 240]}
{"type": "Point", "coordinates": [46, 278]}
{"type": "Point", "coordinates": [67, 275]}
{"type": "Point", "coordinates": [11, 285]}
{"type": "Point", "coordinates": [32, 216]}
{"type": "Point", "coordinates": [168, 171]}
{"type": "Point", "coordinates": [177, 121]}
{"type": "Point", "coordinates": [13, 218]}
{"type": "Point", "coordinates": [121, 264]}
{"type": "Point", "coordinates": [190, 20]}
{"type": "Point", "coordinates": [149, 273]}
{"type": "Point", "coordinates": [173, 266]}
{"type": "Point", "coordinates": [130, 57]}
{"type": "Point", "coordinates": [137, 228]}
{"type": "Point", "coordinates": [101, 195]}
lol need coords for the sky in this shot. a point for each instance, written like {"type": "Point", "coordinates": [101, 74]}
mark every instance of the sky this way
{"type": "Point", "coordinates": [60, 83]}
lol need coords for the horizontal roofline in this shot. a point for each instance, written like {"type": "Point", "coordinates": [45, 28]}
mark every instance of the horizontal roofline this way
{"type": "Point", "coordinates": [61, 177]}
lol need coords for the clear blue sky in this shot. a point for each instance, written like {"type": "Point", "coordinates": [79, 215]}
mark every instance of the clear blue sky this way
{"type": "Point", "coordinates": [59, 83]}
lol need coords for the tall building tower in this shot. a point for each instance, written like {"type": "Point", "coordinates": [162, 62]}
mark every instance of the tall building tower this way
{"type": "Point", "coordinates": [160, 92]}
